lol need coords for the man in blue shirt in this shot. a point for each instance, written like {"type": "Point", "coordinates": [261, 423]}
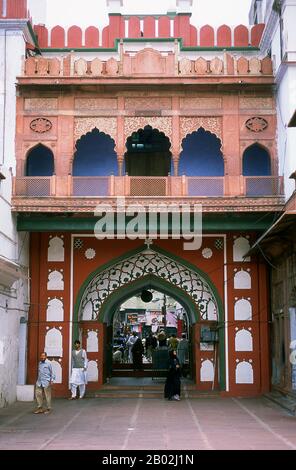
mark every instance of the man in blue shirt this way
{"type": "Point", "coordinates": [43, 384]}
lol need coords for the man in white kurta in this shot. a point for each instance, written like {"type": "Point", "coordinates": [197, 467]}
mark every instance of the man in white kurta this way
{"type": "Point", "coordinates": [79, 367]}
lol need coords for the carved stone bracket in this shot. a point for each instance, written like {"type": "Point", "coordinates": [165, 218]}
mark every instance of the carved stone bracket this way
{"type": "Point", "coordinates": [133, 124]}
{"type": "Point", "coordinates": [192, 124]}
{"type": "Point", "coordinates": [106, 125]}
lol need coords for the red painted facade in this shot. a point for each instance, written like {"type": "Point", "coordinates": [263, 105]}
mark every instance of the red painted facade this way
{"type": "Point", "coordinates": [180, 26]}
{"type": "Point", "coordinates": [76, 268]}
{"type": "Point", "coordinates": [64, 97]}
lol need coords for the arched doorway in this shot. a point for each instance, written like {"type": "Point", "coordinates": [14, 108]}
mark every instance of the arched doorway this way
{"type": "Point", "coordinates": [148, 153]}
{"type": "Point", "coordinates": [145, 268]}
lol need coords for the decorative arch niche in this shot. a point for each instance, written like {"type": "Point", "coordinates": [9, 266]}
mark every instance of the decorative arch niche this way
{"type": "Point", "coordinates": [256, 161]}
{"type": "Point", "coordinates": [39, 161]}
{"type": "Point", "coordinates": [201, 154]}
{"type": "Point", "coordinates": [95, 155]}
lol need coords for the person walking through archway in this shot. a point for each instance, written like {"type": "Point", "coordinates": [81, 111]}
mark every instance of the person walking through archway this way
{"type": "Point", "coordinates": [137, 352]}
{"type": "Point", "coordinates": [172, 388]}
{"type": "Point", "coordinates": [182, 352]}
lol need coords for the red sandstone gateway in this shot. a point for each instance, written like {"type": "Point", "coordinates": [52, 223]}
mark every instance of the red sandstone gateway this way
{"type": "Point", "coordinates": [154, 110]}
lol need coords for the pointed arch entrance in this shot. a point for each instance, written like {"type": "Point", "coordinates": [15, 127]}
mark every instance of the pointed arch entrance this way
{"type": "Point", "coordinates": [109, 286]}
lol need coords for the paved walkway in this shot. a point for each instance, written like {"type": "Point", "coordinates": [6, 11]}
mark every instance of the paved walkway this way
{"type": "Point", "coordinates": [151, 424]}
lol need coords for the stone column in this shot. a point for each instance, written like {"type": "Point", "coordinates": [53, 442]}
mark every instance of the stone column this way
{"type": "Point", "coordinates": [120, 160]}
{"type": "Point", "coordinates": [176, 157]}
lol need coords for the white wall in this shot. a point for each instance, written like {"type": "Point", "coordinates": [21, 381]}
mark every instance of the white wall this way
{"type": "Point", "coordinates": [13, 246]}
{"type": "Point", "coordinates": [12, 306]}
{"type": "Point", "coordinates": [286, 102]}
{"type": "Point", "coordinates": [282, 45]}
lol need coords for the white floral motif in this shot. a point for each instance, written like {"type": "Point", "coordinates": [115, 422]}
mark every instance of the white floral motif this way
{"type": "Point", "coordinates": [207, 253]}
{"type": "Point", "coordinates": [90, 253]}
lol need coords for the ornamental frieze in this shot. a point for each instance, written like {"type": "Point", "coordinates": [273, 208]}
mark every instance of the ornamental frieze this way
{"type": "Point", "coordinates": [194, 102]}
{"type": "Point", "coordinates": [87, 104]}
{"type": "Point", "coordinates": [250, 102]}
{"type": "Point", "coordinates": [133, 124]}
{"type": "Point", "coordinates": [41, 104]}
{"type": "Point", "coordinates": [192, 124]}
{"type": "Point", "coordinates": [84, 125]}
{"type": "Point", "coordinates": [150, 103]}
{"type": "Point", "coordinates": [40, 125]}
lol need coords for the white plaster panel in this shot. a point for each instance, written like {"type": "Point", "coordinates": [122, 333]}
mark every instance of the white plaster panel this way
{"type": "Point", "coordinates": [242, 280]}
{"type": "Point", "coordinates": [241, 246]}
{"type": "Point", "coordinates": [243, 340]}
{"type": "Point", "coordinates": [92, 371]}
{"type": "Point", "coordinates": [244, 373]}
{"type": "Point", "coordinates": [242, 310]}
{"type": "Point", "coordinates": [92, 343]}
{"type": "Point", "coordinates": [54, 343]}
{"type": "Point", "coordinates": [207, 371]}
{"type": "Point", "coordinates": [55, 281]}
{"type": "Point", "coordinates": [55, 310]}
{"type": "Point", "coordinates": [56, 251]}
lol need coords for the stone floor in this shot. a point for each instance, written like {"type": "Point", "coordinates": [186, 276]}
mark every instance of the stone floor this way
{"type": "Point", "coordinates": [150, 424]}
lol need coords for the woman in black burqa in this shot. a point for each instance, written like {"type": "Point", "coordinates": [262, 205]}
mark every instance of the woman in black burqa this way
{"type": "Point", "coordinates": [172, 386]}
{"type": "Point", "coordinates": [138, 351]}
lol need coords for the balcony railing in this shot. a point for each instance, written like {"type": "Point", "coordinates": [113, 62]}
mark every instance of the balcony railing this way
{"type": "Point", "coordinates": [263, 186]}
{"type": "Point", "coordinates": [205, 186]}
{"type": "Point", "coordinates": [147, 186]}
{"type": "Point", "coordinates": [34, 186]}
{"type": "Point", "coordinates": [96, 186]}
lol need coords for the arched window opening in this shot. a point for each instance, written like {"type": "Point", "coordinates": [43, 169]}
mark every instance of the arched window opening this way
{"type": "Point", "coordinates": [40, 162]}
{"type": "Point", "coordinates": [148, 153]}
{"type": "Point", "coordinates": [201, 155]}
{"type": "Point", "coordinates": [256, 161]}
{"type": "Point", "coordinates": [95, 155]}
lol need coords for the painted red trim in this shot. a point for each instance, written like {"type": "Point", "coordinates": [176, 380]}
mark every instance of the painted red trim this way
{"type": "Point", "coordinates": [42, 35]}
{"type": "Point", "coordinates": [207, 36]}
{"type": "Point", "coordinates": [241, 36]}
{"type": "Point", "coordinates": [57, 37]}
{"type": "Point", "coordinates": [149, 27]}
{"type": "Point", "coordinates": [256, 34]}
{"type": "Point", "coordinates": [92, 37]}
{"type": "Point", "coordinates": [224, 36]}
{"type": "Point", "coordinates": [164, 27]}
{"type": "Point", "coordinates": [74, 37]}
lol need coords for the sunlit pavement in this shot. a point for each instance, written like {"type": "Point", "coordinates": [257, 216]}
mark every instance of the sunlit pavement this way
{"type": "Point", "coordinates": [151, 424]}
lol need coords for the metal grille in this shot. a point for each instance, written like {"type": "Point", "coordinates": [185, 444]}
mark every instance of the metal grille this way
{"type": "Point", "coordinates": [205, 186]}
{"type": "Point", "coordinates": [33, 186]}
{"type": "Point", "coordinates": [263, 186]}
{"type": "Point", "coordinates": [91, 186]}
{"type": "Point", "coordinates": [148, 186]}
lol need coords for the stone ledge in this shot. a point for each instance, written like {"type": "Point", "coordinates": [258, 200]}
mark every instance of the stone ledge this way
{"type": "Point", "coordinates": [88, 205]}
